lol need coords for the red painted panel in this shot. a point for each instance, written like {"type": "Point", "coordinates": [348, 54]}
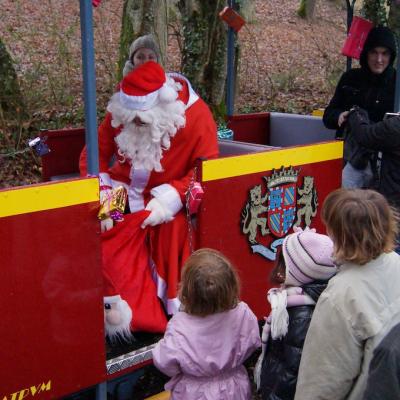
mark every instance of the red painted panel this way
{"type": "Point", "coordinates": [52, 305]}
{"type": "Point", "coordinates": [65, 148]}
{"type": "Point", "coordinates": [251, 128]}
{"type": "Point", "coordinates": [219, 224]}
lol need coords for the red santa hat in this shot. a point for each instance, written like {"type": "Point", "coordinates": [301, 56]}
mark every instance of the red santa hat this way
{"type": "Point", "coordinates": [146, 86]}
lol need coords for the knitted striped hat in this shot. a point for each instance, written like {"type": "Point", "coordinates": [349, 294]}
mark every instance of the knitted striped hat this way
{"type": "Point", "coordinates": [308, 257]}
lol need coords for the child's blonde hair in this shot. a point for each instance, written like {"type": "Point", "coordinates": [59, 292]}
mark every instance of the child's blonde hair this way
{"type": "Point", "coordinates": [209, 284]}
{"type": "Point", "coordinates": [361, 224]}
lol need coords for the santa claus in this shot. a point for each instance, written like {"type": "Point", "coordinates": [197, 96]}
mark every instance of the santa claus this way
{"type": "Point", "coordinates": [155, 131]}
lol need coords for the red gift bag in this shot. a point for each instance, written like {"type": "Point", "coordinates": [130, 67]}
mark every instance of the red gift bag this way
{"type": "Point", "coordinates": [126, 268]}
{"type": "Point", "coordinates": [356, 37]}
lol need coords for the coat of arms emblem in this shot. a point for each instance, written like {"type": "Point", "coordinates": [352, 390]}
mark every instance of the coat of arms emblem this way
{"type": "Point", "coordinates": [274, 213]}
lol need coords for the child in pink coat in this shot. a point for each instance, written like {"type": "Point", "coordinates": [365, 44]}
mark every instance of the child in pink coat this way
{"type": "Point", "coordinates": [206, 343]}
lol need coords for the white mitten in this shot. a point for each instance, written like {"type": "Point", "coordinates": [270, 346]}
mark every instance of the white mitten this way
{"type": "Point", "coordinates": [105, 194]}
{"type": "Point", "coordinates": [108, 223]}
{"type": "Point", "coordinates": [159, 213]}
{"type": "Point", "coordinates": [164, 206]}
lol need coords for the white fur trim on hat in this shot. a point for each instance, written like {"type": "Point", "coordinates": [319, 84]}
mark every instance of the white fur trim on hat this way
{"type": "Point", "coordinates": [142, 103]}
{"type": "Point", "coordinates": [167, 93]}
{"type": "Point", "coordinates": [193, 96]}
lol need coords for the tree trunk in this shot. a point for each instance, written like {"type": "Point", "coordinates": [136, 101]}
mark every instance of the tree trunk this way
{"type": "Point", "coordinates": [204, 48]}
{"type": "Point", "coordinates": [141, 17]}
{"type": "Point", "coordinates": [11, 101]}
{"type": "Point", "coordinates": [306, 9]}
{"type": "Point", "coordinates": [394, 17]}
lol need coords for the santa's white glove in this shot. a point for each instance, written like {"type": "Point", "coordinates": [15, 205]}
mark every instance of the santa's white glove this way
{"type": "Point", "coordinates": [108, 223]}
{"type": "Point", "coordinates": [159, 213]}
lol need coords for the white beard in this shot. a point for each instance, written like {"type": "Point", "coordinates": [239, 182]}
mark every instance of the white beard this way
{"type": "Point", "coordinates": [122, 330]}
{"type": "Point", "coordinates": [144, 145]}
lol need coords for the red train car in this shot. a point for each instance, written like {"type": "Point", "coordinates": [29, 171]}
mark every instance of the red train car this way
{"type": "Point", "coordinates": [272, 177]}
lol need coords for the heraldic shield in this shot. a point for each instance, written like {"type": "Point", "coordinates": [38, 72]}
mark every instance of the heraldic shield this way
{"type": "Point", "coordinates": [281, 208]}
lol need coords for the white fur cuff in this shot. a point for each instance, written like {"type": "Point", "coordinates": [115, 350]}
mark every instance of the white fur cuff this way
{"type": "Point", "coordinates": [105, 179]}
{"type": "Point", "coordinates": [168, 196]}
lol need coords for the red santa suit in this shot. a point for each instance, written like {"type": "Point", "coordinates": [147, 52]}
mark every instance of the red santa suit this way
{"type": "Point", "coordinates": [169, 241]}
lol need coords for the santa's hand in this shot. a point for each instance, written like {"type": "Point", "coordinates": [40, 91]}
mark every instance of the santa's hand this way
{"type": "Point", "coordinates": [159, 213]}
{"type": "Point", "coordinates": [106, 224]}
{"type": "Point", "coordinates": [105, 193]}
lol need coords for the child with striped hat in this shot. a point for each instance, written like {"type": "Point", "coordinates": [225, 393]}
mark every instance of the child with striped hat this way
{"type": "Point", "coordinates": [303, 269]}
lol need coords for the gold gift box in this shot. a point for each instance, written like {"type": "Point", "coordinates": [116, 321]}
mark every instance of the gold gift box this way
{"type": "Point", "coordinates": [113, 206]}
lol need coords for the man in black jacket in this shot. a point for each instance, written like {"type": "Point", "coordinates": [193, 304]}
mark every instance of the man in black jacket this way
{"type": "Point", "coordinates": [384, 370]}
{"type": "Point", "coordinates": [370, 87]}
{"type": "Point", "coordinates": [382, 137]}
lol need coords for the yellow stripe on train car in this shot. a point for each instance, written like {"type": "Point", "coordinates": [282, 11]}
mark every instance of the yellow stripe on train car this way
{"type": "Point", "coordinates": [160, 396]}
{"type": "Point", "coordinates": [27, 199]}
{"type": "Point", "coordinates": [228, 167]}
{"type": "Point", "coordinates": [319, 112]}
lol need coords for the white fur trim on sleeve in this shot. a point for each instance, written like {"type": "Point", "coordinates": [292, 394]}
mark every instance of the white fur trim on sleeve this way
{"type": "Point", "coordinates": [105, 179]}
{"type": "Point", "coordinates": [168, 196]}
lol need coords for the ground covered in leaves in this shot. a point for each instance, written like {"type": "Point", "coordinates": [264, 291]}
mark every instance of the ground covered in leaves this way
{"type": "Point", "coordinates": [286, 64]}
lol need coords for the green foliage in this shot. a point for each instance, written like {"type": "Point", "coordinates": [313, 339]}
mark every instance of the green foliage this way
{"type": "Point", "coordinates": [11, 101]}
{"type": "Point", "coordinates": [301, 12]}
{"type": "Point", "coordinates": [204, 48]}
{"type": "Point", "coordinates": [126, 38]}
{"type": "Point", "coordinates": [394, 18]}
{"type": "Point", "coordinates": [247, 109]}
{"type": "Point", "coordinates": [219, 112]}
{"type": "Point", "coordinates": [306, 9]}
{"type": "Point", "coordinates": [286, 81]}
{"type": "Point", "coordinates": [376, 11]}
{"type": "Point", "coordinates": [332, 77]}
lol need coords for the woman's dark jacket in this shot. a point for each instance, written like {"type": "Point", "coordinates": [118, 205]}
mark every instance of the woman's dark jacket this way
{"type": "Point", "coordinates": [281, 361]}
{"type": "Point", "coordinates": [384, 370]}
{"type": "Point", "coordinates": [359, 87]}
{"type": "Point", "coordinates": [382, 136]}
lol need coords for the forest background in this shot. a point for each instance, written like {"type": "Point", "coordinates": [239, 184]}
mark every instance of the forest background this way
{"type": "Point", "coordinates": [288, 59]}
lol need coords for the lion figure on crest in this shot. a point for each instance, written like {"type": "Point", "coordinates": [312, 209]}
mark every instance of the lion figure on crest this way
{"type": "Point", "coordinates": [250, 214]}
{"type": "Point", "coordinates": [308, 199]}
